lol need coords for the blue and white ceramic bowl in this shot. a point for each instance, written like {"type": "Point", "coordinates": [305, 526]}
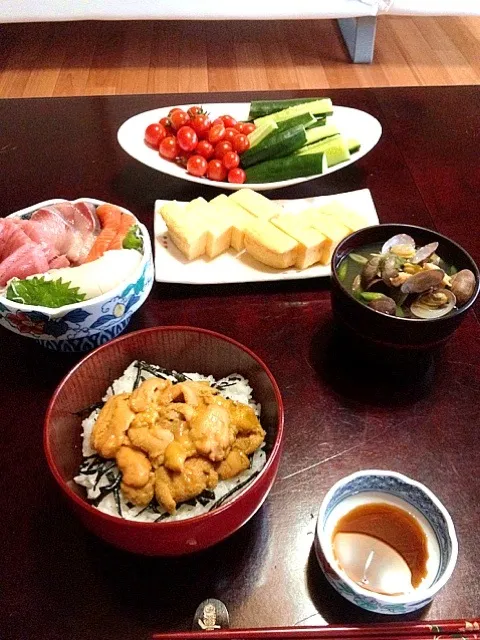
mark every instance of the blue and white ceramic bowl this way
{"type": "Point", "coordinates": [398, 489]}
{"type": "Point", "coordinates": [84, 325]}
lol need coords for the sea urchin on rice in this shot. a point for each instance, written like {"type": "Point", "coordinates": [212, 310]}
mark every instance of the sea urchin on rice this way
{"type": "Point", "coordinates": [102, 478]}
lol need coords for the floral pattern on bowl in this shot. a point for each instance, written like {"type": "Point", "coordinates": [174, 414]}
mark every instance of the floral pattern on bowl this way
{"type": "Point", "coordinates": [85, 325]}
{"type": "Point", "coordinates": [418, 496]}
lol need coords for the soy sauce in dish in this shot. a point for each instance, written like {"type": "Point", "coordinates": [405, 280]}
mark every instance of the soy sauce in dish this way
{"type": "Point", "coordinates": [381, 547]}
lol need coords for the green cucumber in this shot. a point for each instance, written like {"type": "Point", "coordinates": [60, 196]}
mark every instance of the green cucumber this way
{"type": "Point", "coordinates": [304, 119]}
{"type": "Point", "coordinates": [316, 107]}
{"type": "Point", "coordinates": [275, 145]}
{"type": "Point", "coordinates": [260, 108]}
{"type": "Point", "coordinates": [288, 168]}
{"type": "Point", "coordinates": [319, 122]}
{"type": "Point", "coordinates": [334, 148]}
{"type": "Point", "coordinates": [261, 132]}
{"type": "Point", "coordinates": [320, 133]}
{"type": "Point", "coordinates": [353, 145]}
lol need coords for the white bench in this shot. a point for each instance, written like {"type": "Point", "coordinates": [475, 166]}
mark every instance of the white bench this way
{"type": "Point", "coordinates": [357, 18]}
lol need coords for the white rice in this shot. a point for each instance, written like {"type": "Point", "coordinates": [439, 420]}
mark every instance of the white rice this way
{"type": "Point", "coordinates": [238, 390]}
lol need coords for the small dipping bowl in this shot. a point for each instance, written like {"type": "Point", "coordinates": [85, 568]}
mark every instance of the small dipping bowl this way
{"type": "Point", "coordinates": [393, 488]}
{"type": "Point", "coordinates": [392, 332]}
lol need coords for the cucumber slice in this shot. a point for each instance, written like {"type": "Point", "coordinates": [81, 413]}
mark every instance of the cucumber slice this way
{"type": "Point", "coordinates": [319, 122]}
{"type": "Point", "coordinates": [304, 119]}
{"type": "Point", "coordinates": [275, 145]}
{"type": "Point", "coordinates": [261, 132]}
{"type": "Point", "coordinates": [260, 108]}
{"type": "Point", "coordinates": [317, 107]}
{"type": "Point", "coordinates": [320, 133]}
{"type": "Point", "coordinates": [334, 148]}
{"type": "Point", "coordinates": [353, 145]}
{"type": "Point", "coordinates": [293, 166]}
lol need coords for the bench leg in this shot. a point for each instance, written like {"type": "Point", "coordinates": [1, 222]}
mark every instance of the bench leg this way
{"type": "Point", "coordinates": [359, 36]}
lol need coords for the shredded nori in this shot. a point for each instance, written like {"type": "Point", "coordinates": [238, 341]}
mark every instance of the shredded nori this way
{"type": "Point", "coordinates": [84, 413]}
{"type": "Point", "coordinates": [224, 498]}
{"type": "Point", "coordinates": [160, 372]}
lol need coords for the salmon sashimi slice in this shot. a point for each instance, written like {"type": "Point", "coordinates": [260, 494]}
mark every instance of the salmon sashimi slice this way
{"type": "Point", "coordinates": [110, 217]}
{"type": "Point", "coordinates": [126, 223]}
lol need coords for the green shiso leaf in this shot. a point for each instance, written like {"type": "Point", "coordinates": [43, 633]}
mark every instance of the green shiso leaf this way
{"type": "Point", "coordinates": [133, 239]}
{"type": "Point", "coordinates": [45, 293]}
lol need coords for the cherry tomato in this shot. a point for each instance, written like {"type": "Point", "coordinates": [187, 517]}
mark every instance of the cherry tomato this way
{"type": "Point", "coordinates": [216, 133]}
{"type": "Point", "coordinates": [193, 111]}
{"type": "Point", "coordinates": [154, 134]}
{"type": "Point", "coordinates": [187, 138]}
{"type": "Point", "coordinates": [165, 121]}
{"type": "Point", "coordinates": [173, 111]}
{"type": "Point", "coordinates": [217, 121]}
{"type": "Point", "coordinates": [179, 119]}
{"type": "Point", "coordinates": [201, 124]}
{"type": "Point", "coordinates": [169, 148]}
{"type": "Point", "coordinates": [231, 160]}
{"type": "Point", "coordinates": [221, 148]}
{"type": "Point", "coordinates": [248, 127]}
{"type": "Point", "coordinates": [237, 175]}
{"type": "Point", "coordinates": [230, 133]}
{"type": "Point", "coordinates": [228, 121]}
{"type": "Point", "coordinates": [216, 170]}
{"type": "Point", "coordinates": [205, 149]}
{"type": "Point", "coordinates": [239, 127]}
{"type": "Point", "coordinates": [197, 165]}
{"type": "Point", "coordinates": [182, 158]}
{"type": "Point", "coordinates": [240, 143]}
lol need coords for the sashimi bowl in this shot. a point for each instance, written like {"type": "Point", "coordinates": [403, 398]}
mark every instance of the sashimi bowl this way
{"type": "Point", "coordinates": [228, 377]}
{"type": "Point", "coordinates": [67, 280]}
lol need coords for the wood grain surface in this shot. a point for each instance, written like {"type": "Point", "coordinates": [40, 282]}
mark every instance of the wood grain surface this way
{"type": "Point", "coordinates": [105, 58]}
{"type": "Point", "coordinates": [60, 582]}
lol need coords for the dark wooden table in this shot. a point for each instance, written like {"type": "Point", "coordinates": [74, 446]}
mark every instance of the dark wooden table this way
{"type": "Point", "coordinates": [58, 582]}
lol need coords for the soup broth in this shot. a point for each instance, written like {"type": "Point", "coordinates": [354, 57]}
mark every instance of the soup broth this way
{"type": "Point", "coordinates": [400, 279]}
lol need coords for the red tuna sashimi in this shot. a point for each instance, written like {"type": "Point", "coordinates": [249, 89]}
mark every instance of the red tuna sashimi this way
{"type": "Point", "coordinates": [39, 235]}
{"type": "Point", "coordinates": [26, 260]}
{"type": "Point", "coordinates": [59, 262]}
{"type": "Point", "coordinates": [12, 238]}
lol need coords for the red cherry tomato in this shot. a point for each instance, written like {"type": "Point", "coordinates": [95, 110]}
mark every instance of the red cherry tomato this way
{"type": "Point", "coordinates": [231, 160]}
{"type": "Point", "coordinates": [173, 111]}
{"type": "Point", "coordinates": [193, 111]}
{"type": "Point", "coordinates": [165, 121]}
{"type": "Point", "coordinates": [217, 121]}
{"type": "Point", "coordinates": [248, 127]}
{"type": "Point", "coordinates": [228, 121]}
{"type": "Point", "coordinates": [182, 158]}
{"type": "Point", "coordinates": [216, 133]}
{"type": "Point", "coordinates": [216, 170]}
{"type": "Point", "coordinates": [179, 119]}
{"type": "Point", "coordinates": [197, 165]}
{"type": "Point", "coordinates": [238, 176]}
{"type": "Point", "coordinates": [201, 124]}
{"type": "Point", "coordinates": [240, 143]}
{"type": "Point", "coordinates": [239, 127]}
{"type": "Point", "coordinates": [154, 134]}
{"type": "Point", "coordinates": [230, 133]}
{"type": "Point", "coordinates": [187, 138]}
{"type": "Point", "coordinates": [205, 149]}
{"type": "Point", "coordinates": [221, 148]}
{"type": "Point", "coordinates": [169, 148]}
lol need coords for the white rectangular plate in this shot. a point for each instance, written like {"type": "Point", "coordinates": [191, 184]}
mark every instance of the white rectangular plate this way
{"type": "Point", "coordinates": [172, 266]}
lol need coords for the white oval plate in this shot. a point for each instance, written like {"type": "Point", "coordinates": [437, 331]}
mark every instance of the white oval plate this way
{"type": "Point", "coordinates": [352, 123]}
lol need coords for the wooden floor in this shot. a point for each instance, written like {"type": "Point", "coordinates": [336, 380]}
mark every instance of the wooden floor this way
{"type": "Point", "coordinates": [64, 59]}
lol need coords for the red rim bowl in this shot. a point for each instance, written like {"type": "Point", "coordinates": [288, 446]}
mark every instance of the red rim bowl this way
{"type": "Point", "coordinates": [185, 349]}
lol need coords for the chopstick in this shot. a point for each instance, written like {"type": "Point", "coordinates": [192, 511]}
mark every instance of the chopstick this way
{"type": "Point", "coordinates": [430, 630]}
